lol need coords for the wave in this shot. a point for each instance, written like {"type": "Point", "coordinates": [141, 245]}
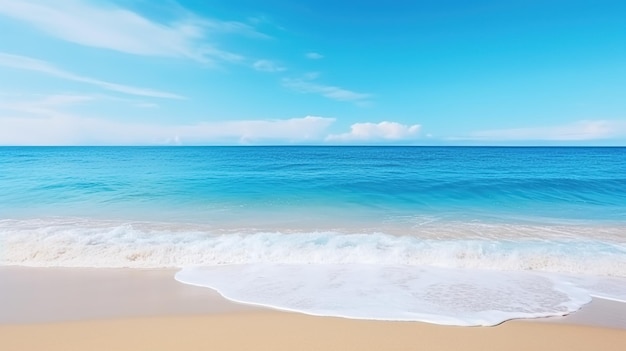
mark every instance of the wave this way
{"type": "Point", "coordinates": [72, 242]}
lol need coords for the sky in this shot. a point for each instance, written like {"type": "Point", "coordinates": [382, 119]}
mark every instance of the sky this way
{"type": "Point", "coordinates": [313, 72]}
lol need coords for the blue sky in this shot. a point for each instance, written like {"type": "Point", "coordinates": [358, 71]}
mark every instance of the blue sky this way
{"type": "Point", "coordinates": [440, 72]}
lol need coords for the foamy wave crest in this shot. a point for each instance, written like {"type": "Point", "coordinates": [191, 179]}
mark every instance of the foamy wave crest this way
{"type": "Point", "coordinates": [90, 243]}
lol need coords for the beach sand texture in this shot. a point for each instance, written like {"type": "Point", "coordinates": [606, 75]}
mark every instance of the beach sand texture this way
{"type": "Point", "coordinates": [285, 331]}
{"type": "Point", "coordinates": [123, 309]}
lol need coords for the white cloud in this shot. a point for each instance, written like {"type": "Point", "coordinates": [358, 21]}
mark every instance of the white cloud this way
{"type": "Point", "coordinates": [309, 128]}
{"type": "Point", "coordinates": [46, 121]}
{"type": "Point", "coordinates": [30, 64]}
{"type": "Point", "coordinates": [114, 28]}
{"type": "Point", "coordinates": [306, 85]}
{"type": "Point", "coordinates": [576, 131]}
{"type": "Point", "coordinates": [267, 66]}
{"type": "Point", "coordinates": [45, 125]}
{"type": "Point", "coordinates": [383, 131]}
{"type": "Point", "coordinates": [314, 56]}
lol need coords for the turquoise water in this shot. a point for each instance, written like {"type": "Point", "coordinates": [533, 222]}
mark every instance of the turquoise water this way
{"type": "Point", "coordinates": [213, 184]}
{"type": "Point", "coordinates": [511, 211]}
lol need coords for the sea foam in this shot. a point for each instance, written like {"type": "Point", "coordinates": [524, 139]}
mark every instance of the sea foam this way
{"type": "Point", "coordinates": [464, 297]}
{"type": "Point", "coordinates": [72, 242]}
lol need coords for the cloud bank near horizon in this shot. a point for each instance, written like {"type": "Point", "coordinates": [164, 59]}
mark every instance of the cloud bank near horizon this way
{"type": "Point", "coordinates": [584, 130]}
{"type": "Point", "coordinates": [50, 120]}
{"type": "Point", "coordinates": [46, 121]}
{"type": "Point", "coordinates": [64, 129]}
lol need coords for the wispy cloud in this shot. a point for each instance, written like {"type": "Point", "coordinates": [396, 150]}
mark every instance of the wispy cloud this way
{"type": "Point", "coordinates": [383, 131]}
{"type": "Point", "coordinates": [314, 56]}
{"type": "Point", "coordinates": [268, 66]}
{"type": "Point", "coordinates": [30, 64]}
{"type": "Point", "coordinates": [110, 27]}
{"type": "Point", "coordinates": [46, 106]}
{"type": "Point", "coordinates": [576, 131]}
{"type": "Point", "coordinates": [307, 84]}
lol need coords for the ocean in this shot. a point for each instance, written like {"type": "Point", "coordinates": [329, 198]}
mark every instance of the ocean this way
{"type": "Point", "coordinates": [447, 235]}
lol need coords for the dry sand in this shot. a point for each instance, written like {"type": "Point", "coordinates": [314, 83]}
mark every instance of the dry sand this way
{"type": "Point", "coordinates": [111, 309]}
{"type": "Point", "coordinates": [36, 295]}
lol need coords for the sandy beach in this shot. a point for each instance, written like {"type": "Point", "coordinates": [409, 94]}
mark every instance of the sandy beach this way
{"type": "Point", "coordinates": [123, 309]}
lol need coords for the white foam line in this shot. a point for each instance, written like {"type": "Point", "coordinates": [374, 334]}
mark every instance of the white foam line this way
{"type": "Point", "coordinates": [392, 293]}
{"type": "Point", "coordinates": [610, 298]}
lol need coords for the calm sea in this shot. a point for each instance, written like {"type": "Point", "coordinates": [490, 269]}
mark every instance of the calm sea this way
{"type": "Point", "coordinates": [524, 232]}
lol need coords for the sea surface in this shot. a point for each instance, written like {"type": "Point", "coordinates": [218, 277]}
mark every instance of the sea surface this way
{"type": "Point", "coordinates": [447, 235]}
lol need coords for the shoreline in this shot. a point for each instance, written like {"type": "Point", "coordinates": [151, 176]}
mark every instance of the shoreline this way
{"type": "Point", "coordinates": [75, 294]}
{"type": "Point", "coordinates": [137, 309]}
